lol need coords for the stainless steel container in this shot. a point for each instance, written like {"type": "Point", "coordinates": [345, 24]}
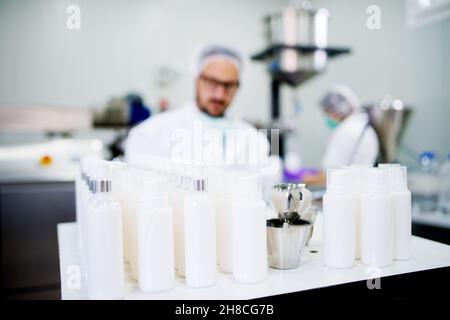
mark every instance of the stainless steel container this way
{"type": "Point", "coordinates": [285, 242]}
{"type": "Point", "coordinates": [298, 24]}
{"type": "Point", "coordinates": [389, 119]}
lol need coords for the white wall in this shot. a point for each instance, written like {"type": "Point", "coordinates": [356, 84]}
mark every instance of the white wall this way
{"type": "Point", "coordinates": [122, 43]}
{"type": "Point", "coordinates": [120, 46]}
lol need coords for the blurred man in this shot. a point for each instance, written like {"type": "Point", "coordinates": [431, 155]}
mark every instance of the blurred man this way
{"type": "Point", "coordinates": [201, 130]}
{"type": "Point", "coordinates": [353, 141]}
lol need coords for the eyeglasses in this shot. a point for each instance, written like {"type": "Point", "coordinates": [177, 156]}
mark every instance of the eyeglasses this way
{"type": "Point", "coordinates": [213, 84]}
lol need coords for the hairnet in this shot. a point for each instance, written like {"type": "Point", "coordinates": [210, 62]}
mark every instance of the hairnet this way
{"type": "Point", "coordinates": [217, 51]}
{"type": "Point", "coordinates": [340, 99]}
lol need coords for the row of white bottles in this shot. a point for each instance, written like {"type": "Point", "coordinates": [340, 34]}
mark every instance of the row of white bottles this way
{"type": "Point", "coordinates": [367, 213]}
{"type": "Point", "coordinates": [169, 223]}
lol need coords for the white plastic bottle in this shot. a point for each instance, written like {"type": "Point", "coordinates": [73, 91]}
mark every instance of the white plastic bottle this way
{"type": "Point", "coordinates": [104, 244]}
{"type": "Point", "coordinates": [359, 175]}
{"type": "Point", "coordinates": [340, 205]}
{"type": "Point", "coordinates": [223, 218]}
{"type": "Point", "coordinates": [200, 236]}
{"type": "Point", "coordinates": [155, 237]}
{"type": "Point", "coordinates": [135, 182]}
{"type": "Point", "coordinates": [377, 220]}
{"type": "Point", "coordinates": [401, 209]}
{"type": "Point", "coordinates": [118, 171]}
{"type": "Point", "coordinates": [178, 193]}
{"type": "Point", "coordinates": [248, 230]}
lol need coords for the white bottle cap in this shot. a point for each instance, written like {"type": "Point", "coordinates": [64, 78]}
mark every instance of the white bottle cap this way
{"type": "Point", "coordinates": [236, 182]}
{"type": "Point", "coordinates": [340, 180]}
{"type": "Point", "coordinates": [397, 178]}
{"type": "Point", "coordinates": [359, 176]}
{"type": "Point", "coordinates": [199, 184]}
{"type": "Point", "coordinates": [376, 180]}
{"type": "Point", "coordinates": [248, 186]}
{"type": "Point", "coordinates": [152, 188]}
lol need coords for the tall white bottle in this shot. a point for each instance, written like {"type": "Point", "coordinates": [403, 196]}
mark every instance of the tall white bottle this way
{"type": "Point", "coordinates": [377, 220]}
{"type": "Point", "coordinates": [401, 207]}
{"type": "Point", "coordinates": [155, 237]}
{"type": "Point", "coordinates": [179, 189]}
{"type": "Point", "coordinates": [118, 172]}
{"type": "Point", "coordinates": [340, 205]}
{"type": "Point", "coordinates": [223, 198]}
{"type": "Point", "coordinates": [359, 175]}
{"type": "Point", "coordinates": [200, 236]}
{"type": "Point", "coordinates": [104, 244]}
{"type": "Point", "coordinates": [135, 184]}
{"type": "Point", "coordinates": [248, 230]}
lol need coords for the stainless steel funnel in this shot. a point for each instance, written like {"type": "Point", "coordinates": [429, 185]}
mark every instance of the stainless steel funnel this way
{"type": "Point", "coordinates": [389, 119]}
{"type": "Point", "coordinates": [290, 200]}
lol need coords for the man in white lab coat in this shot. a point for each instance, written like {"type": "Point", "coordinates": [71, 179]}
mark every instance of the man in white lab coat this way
{"type": "Point", "coordinates": [200, 130]}
{"type": "Point", "coordinates": [353, 141]}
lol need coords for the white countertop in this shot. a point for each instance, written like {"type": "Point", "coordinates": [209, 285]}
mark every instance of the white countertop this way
{"type": "Point", "coordinates": [311, 274]}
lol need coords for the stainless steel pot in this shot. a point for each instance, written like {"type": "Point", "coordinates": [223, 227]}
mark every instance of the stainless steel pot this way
{"type": "Point", "coordinates": [298, 24]}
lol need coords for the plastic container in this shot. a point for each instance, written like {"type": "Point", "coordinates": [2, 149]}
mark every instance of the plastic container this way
{"type": "Point", "coordinates": [248, 230]}
{"type": "Point", "coordinates": [105, 262]}
{"type": "Point", "coordinates": [377, 220]}
{"type": "Point", "coordinates": [155, 237]}
{"type": "Point", "coordinates": [340, 204]}
{"type": "Point", "coordinates": [401, 209]}
{"type": "Point", "coordinates": [200, 236]}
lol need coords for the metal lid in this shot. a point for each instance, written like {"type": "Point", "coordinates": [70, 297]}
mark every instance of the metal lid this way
{"type": "Point", "coordinates": [102, 186]}
{"type": "Point", "coordinates": [199, 184]}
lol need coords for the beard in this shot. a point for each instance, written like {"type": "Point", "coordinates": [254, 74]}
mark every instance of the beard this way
{"type": "Point", "coordinates": [204, 107]}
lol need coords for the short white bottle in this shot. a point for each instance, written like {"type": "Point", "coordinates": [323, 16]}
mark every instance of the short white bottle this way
{"type": "Point", "coordinates": [200, 236]}
{"type": "Point", "coordinates": [248, 230]}
{"type": "Point", "coordinates": [155, 237]}
{"type": "Point", "coordinates": [340, 205]}
{"type": "Point", "coordinates": [104, 244]}
{"type": "Point", "coordinates": [377, 220]}
{"type": "Point", "coordinates": [401, 207]}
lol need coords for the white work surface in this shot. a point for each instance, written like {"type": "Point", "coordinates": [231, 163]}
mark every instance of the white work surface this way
{"type": "Point", "coordinates": [311, 274]}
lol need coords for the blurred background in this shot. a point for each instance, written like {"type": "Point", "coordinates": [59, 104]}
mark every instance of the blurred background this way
{"type": "Point", "coordinates": [68, 90]}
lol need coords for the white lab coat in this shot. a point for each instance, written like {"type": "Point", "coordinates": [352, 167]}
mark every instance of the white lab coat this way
{"type": "Point", "coordinates": [350, 144]}
{"type": "Point", "coordinates": [189, 134]}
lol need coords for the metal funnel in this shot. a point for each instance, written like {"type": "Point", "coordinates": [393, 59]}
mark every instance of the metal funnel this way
{"type": "Point", "coordinates": [389, 120]}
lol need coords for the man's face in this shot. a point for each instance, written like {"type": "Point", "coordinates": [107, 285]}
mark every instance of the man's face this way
{"type": "Point", "coordinates": [216, 86]}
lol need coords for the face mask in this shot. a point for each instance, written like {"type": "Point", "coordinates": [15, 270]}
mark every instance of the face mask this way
{"type": "Point", "coordinates": [331, 123]}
